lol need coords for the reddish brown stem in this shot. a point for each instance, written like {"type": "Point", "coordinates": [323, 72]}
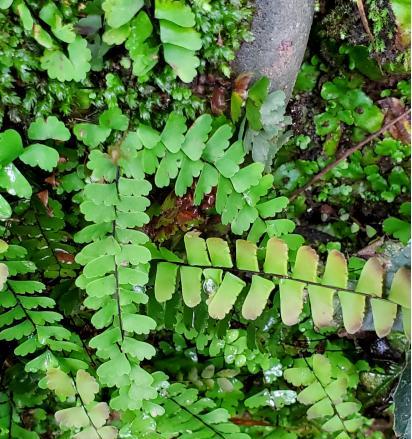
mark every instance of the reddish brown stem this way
{"type": "Point", "coordinates": [249, 422]}
{"type": "Point", "coordinates": [364, 19]}
{"type": "Point", "coordinates": [347, 153]}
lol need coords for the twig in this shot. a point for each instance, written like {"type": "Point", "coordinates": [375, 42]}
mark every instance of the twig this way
{"type": "Point", "coordinates": [199, 418]}
{"type": "Point", "coordinates": [364, 19]}
{"type": "Point", "coordinates": [346, 154]}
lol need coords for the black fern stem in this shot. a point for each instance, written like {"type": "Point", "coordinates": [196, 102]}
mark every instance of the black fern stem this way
{"type": "Point", "coordinates": [284, 277]}
{"type": "Point", "coordinates": [116, 270]}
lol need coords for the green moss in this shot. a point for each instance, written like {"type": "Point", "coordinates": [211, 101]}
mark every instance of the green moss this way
{"type": "Point", "coordinates": [385, 44]}
{"type": "Point", "coordinates": [26, 91]}
{"type": "Point", "coordinates": [223, 25]}
{"type": "Point", "coordinates": [342, 23]}
{"type": "Point", "coordinates": [383, 27]}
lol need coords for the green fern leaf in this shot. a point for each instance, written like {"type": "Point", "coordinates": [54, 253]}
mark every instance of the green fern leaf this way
{"type": "Point", "coordinates": [75, 67]}
{"type": "Point", "coordinates": [217, 144]}
{"type": "Point", "coordinates": [114, 119]}
{"type": "Point", "coordinates": [168, 169]}
{"type": "Point", "coordinates": [228, 164]}
{"type": "Point", "coordinates": [14, 182]}
{"type": "Point", "coordinates": [11, 146]}
{"type": "Point", "coordinates": [180, 39]}
{"type": "Point", "coordinates": [174, 11]}
{"type": "Point", "coordinates": [40, 155]}
{"type": "Point", "coordinates": [183, 61]}
{"type": "Point", "coordinates": [143, 54]}
{"type": "Point", "coordinates": [247, 177]}
{"type": "Point", "coordinates": [188, 170]}
{"type": "Point", "coordinates": [196, 137]}
{"type": "Point", "coordinates": [185, 37]}
{"type": "Point", "coordinates": [90, 134]}
{"type": "Point", "coordinates": [119, 12]}
{"type": "Point", "coordinates": [173, 133]}
{"type": "Point", "coordinates": [215, 252]}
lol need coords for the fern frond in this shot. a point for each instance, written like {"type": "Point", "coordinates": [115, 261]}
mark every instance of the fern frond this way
{"type": "Point", "coordinates": [25, 316]}
{"type": "Point", "coordinates": [178, 36]}
{"type": "Point", "coordinates": [87, 415]}
{"type": "Point", "coordinates": [116, 268]}
{"type": "Point", "coordinates": [189, 416]}
{"type": "Point", "coordinates": [36, 155]}
{"type": "Point", "coordinates": [210, 260]}
{"type": "Point", "coordinates": [185, 153]}
{"type": "Point", "coordinates": [326, 392]}
{"type": "Point", "coordinates": [42, 231]}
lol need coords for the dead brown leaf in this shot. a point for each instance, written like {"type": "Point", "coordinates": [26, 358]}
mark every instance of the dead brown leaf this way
{"type": "Point", "coordinates": [51, 179]}
{"type": "Point", "coordinates": [370, 250]}
{"type": "Point", "coordinates": [241, 84]}
{"type": "Point", "coordinates": [394, 107]}
{"type": "Point", "coordinates": [218, 101]}
{"type": "Point", "coordinates": [43, 196]}
{"type": "Point", "coordinates": [64, 256]}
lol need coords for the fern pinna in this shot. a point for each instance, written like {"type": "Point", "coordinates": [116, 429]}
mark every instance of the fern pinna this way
{"type": "Point", "coordinates": [210, 261]}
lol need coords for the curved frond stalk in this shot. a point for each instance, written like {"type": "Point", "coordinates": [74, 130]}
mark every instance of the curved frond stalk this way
{"type": "Point", "coordinates": [214, 252]}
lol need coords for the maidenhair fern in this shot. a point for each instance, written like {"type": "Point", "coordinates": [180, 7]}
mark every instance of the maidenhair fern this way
{"type": "Point", "coordinates": [116, 267]}
{"type": "Point", "coordinates": [210, 261]}
{"type": "Point", "coordinates": [326, 392]}
{"type": "Point", "coordinates": [189, 416]}
{"type": "Point", "coordinates": [11, 149]}
{"type": "Point", "coordinates": [108, 149]}
{"type": "Point", "coordinates": [179, 39]}
{"type": "Point", "coordinates": [111, 189]}
{"type": "Point", "coordinates": [29, 318]}
{"type": "Point", "coordinates": [41, 231]}
{"type": "Point", "coordinates": [184, 154]}
{"type": "Point", "coordinates": [266, 123]}
{"type": "Point", "coordinates": [87, 415]}
{"type": "Point", "coordinates": [66, 56]}
{"type": "Point", "coordinates": [142, 51]}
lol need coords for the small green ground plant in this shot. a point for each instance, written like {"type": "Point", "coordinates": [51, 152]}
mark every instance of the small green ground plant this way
{"type": "Point", "coordinates": [157, 277]}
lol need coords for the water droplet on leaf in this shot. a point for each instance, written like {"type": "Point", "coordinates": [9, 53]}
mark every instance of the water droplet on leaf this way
{"type": "Point", "coordinates": [209, 286]}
